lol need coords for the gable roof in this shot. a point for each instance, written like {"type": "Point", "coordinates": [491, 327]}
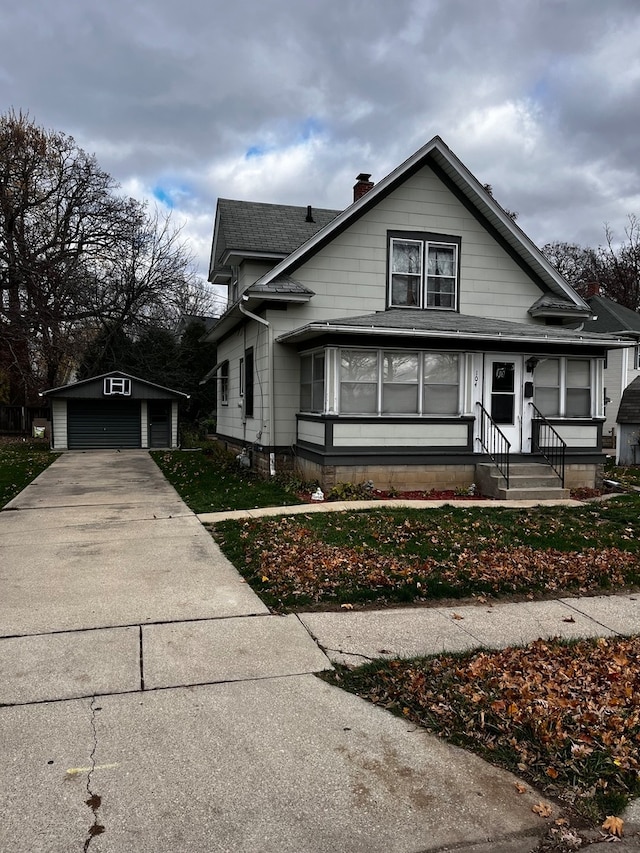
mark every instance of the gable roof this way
{"type": "Point", "coordinates": [61, 389]}
{"type": "Point", "coordinates": [611, 317]}
{"type": "Point", "coordinates": [248, 228]}
{"type": "Point", "coordinates": [438, 324]}
{"type": "Point", "coordinates": [472, 193]}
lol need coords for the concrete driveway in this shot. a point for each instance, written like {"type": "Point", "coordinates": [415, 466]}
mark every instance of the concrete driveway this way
{"type": "Point", "coordinates": [149, 701]}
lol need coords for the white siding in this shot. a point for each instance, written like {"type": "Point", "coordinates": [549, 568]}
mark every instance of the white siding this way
{"type": "Point", "coordinates": [578, 436]}
{"type": "Point", "coordinates": [311, 431]}
{"type": "Point", "coordinates": [59, 420]}
{"type": "Point", "coordinates": [349, 278]}
{"type": "Point", "coordinates": [144, 424]}
{"type": "Point", "coordinates": [174, 423]}
{"type": "Point", "coordinates": [399, 435]}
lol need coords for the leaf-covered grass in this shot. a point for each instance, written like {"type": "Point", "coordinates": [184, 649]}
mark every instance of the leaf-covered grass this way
{"type": "Point", "coordinates": [565, 716]}
{"type": "Point", "coordinates": [209, 480]}
{"type": "Point", "coordinates": [402, 555]}
{"type": "Point", "coordinates": [21, 460]}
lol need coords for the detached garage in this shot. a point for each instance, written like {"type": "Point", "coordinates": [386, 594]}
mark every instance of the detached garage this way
{"type": "Point", "coordinates": [114, 411]}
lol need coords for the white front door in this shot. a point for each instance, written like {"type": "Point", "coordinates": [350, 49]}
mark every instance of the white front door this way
{"type": "Point", "coordinates": [503, 395]}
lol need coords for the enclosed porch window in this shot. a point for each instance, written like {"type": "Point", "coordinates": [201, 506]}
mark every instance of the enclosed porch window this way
{"type": "Point", "coordinates": [562, 387]}
{"type": "Point", "coordinates": [398, 382]}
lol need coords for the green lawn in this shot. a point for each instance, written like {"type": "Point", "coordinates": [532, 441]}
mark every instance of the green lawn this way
{"type": "Point", "coordinates": [21, 460]}
{"type": "Point", "coordinates": [387, 555]}
{"type": "Point", "coordinates": [209, 480]}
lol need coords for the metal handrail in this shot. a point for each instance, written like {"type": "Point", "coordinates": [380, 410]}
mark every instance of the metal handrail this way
{"type": "Point", "coordinates": [495, 443]}
{"type": "Point", "coordinates": [554, 448]}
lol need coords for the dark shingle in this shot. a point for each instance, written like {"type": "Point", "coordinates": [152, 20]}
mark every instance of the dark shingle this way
{"type": "Point", "coordinates": [629, 411]}
{"type": "Point", "coordinates": [251, 226]}
{"type": "Point", "coordinates": [611, 317]}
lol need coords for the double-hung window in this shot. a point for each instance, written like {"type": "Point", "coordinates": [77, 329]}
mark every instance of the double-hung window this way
{"type": "Point", "coordinates": [563, 387]}
{"type": "Point", "coordinates": [423, 271]}
{"type": "Point", "coordinates": [224, 383]}
{"type": "Point", "coordinates": [312, 382]}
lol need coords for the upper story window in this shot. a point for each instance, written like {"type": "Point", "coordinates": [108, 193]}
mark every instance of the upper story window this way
{"type": "Point", "coordinates": [423, 271]}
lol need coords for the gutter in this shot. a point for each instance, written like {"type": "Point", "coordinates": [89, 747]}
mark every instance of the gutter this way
{"type": "Point", "coordinates": [270, 419]}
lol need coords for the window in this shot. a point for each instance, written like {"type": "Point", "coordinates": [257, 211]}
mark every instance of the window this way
{"type": "Point", "coordinates": [224, 383]}
{"type": "Point", "coordinates": [312, 382]}
{"type": "Point", "coordinates": [248, 383]}
{"type": "Point", "coordinates": [562, 387]}
{"type": "Point", "coordinates": [117, 385]}
{"type": "Point", "coordinates": [241, 378]}
{"type": "Point", "coordinates": [397, 382]}
{"type": "Point", "coordinates": [441, 383]}
{"type": "Point", "coordinates": [423, 273]}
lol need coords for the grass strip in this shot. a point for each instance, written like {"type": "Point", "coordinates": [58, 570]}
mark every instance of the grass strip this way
{"type": "Point", "coordinates": [563, 715]}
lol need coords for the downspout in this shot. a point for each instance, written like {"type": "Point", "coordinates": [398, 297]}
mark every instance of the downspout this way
{"type": "Point", "coordinates": [251, 316]}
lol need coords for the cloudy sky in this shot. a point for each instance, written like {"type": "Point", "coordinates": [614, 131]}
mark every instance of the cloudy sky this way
{"type": "Point", "coordinates": [288, 100]}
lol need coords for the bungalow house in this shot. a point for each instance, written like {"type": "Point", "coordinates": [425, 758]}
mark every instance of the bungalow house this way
{"type": "Point", "coordinates": [621, 366]}
{"type": "Point", "coordinates": [418, 339]}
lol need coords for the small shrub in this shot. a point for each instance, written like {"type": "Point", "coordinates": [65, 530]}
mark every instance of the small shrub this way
{"type": "Point", "coordinates": [351, 491]}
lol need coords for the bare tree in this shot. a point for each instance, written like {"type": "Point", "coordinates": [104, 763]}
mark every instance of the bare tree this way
{"type": "Point", "coordinates": [75, 255]}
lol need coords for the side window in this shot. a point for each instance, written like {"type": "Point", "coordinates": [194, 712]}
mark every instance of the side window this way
{"type": "Point", "coordinates": [312, 382]}
{"type": "Point", "coordinates": [224, 383]}
{"type": "Point", "coordinates": [248, 382]}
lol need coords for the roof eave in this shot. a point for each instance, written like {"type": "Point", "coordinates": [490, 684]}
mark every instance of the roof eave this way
{"type": "Point", "coordinates": [314, 330]}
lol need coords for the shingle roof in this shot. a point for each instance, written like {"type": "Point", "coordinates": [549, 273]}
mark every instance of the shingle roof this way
{"type": "Point", "coordinates": [629, 411]}
{"type": "Point", "coordinates": [283, 284]}
{"type": "Point", "coordinates": [433, 323]}
{"type": "Point", "coordinates": [252, 226]}
{"type": "Point", "coordinates": [550, 301]}
{"type": "Point", "coordinates": [611, 317]}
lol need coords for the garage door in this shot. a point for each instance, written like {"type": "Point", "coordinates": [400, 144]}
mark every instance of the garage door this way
{"type": "Point", "coordinates": [103, 424]}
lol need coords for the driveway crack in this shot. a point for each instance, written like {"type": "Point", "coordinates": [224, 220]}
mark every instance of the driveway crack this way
{"type": "Point", "coordinates": [94, 800]}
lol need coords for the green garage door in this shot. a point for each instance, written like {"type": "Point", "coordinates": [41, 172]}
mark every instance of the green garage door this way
{"type": "Point", "coordinates": [103, 424]}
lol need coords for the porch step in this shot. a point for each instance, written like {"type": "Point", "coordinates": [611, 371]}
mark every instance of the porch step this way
{"type": "Point", "coordinates": [527, 481]}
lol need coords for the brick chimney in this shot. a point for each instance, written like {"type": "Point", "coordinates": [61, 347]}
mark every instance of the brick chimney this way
{"type": "Point", "coordinates": [362, 186]}
{"type": "Point", "coordinates": [591, 288]}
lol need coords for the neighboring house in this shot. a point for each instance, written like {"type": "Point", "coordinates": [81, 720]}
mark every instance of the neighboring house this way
{"type": "Point", "coordinates": [628, 445]}
{"type": "Point", "coordinates": [621, 366]}
{"type": "Point", "coordinates": [113, 411]}
{"type": "Point", "coordinates": [398, 340]}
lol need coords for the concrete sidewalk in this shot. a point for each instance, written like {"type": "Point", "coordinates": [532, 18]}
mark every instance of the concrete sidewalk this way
{"type": "Point", "coordinates": [150, 702]}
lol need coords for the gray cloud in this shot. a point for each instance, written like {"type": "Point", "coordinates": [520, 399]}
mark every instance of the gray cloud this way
{"type": "Point", "coordinates": [538, 98]}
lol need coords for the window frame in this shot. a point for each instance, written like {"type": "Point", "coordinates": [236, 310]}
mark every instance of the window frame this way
{"type": "Point", "coordinates": [223, 376]}
{"type": "Point", "coordinates": [421, 409]}
{"type": "Point", "coordinates": [116, 386]}
{"type": "Point", "coordinates": [563, 388]}
{"type": "Point", "coordinates": [426, 241]}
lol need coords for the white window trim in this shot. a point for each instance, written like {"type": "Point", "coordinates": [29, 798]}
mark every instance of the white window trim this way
{"type": "Point", "coordinates": [424, 242]}
{"type": "Point", "coordinates": [223, 376]}
{"type": "Point", "coordinates": [379, 413]}
{"type": "Point", "coordinates": [562, 388]}
{"type": "Point", "coordinates": [117, 386]}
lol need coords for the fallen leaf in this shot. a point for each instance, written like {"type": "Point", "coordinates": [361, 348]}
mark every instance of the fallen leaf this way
{"type": "Point", "coordinates": [613, 825]}
{"type": "Point", "coordinates": [456, 616]}
{"type": "Point", "coordinates": [542, 809]}
{"type": "Point", "coordinates": [520, 788]}
{"type": "Point", "coordinates": [347, 606]}
{"type": "Point", "coordinates": [552, 772]}
{"type": "Point", "coordinates": [568, 619]}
